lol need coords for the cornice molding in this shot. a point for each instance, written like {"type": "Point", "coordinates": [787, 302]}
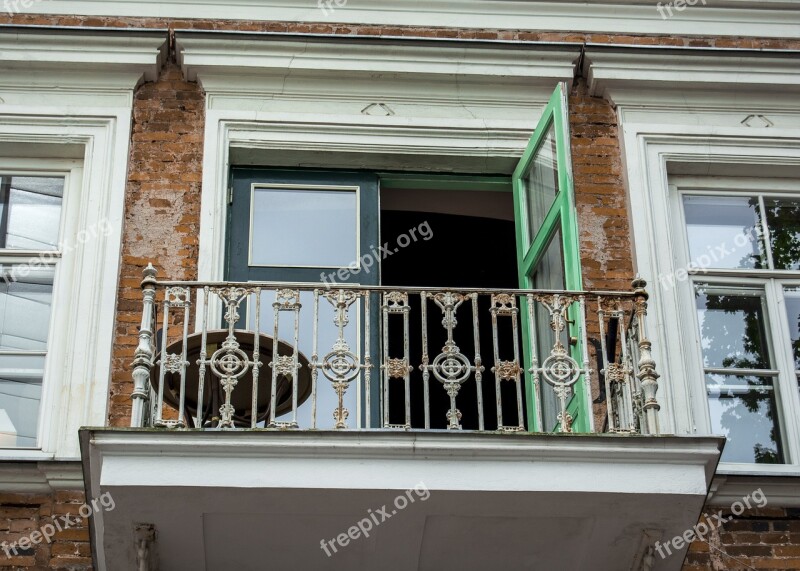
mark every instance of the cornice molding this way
{"type": "Point", "coordinates": [698, 451]}
{"type": "Point", "coordinates": [696, 78]}
{"type": "Point", "coordinates": [780, 491]}
{"type": "Point", "coordinates": [345, 69]}
{"type": "Point", "coordinates": [40, 477]}
{"type": "Point", "coordinates": [748, 18]}
{"type": "Point", "coordinates": [80, 58]}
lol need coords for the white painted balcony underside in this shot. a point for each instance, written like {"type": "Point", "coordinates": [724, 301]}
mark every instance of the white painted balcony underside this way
{"type": "Point", "coordinates": [247, 500]}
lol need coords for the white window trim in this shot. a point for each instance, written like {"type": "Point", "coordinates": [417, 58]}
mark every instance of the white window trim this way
{"type": "Point", "coordinates": [453, 110]}
{"type": "Point", "coordinates": [690, 107]}
{"type": "Point", "coordinates": [61, 90]}
{"type": "Point", "coordinates": [654, 224]}
{"type": "Point", "coordinates": [75, 387]}
{"type": "Point", "coordinates": [778, 326]}
{"type": "Point", "coordinates": [58, 332]}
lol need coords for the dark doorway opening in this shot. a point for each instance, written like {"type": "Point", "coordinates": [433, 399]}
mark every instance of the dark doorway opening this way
{"type": "Point", "coordinates": [472, 245]}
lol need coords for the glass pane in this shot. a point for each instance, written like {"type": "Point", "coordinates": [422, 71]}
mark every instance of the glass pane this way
{"type": "Point", "coordinates": [541, 184]}
{"type": "Point", "coordinates": [744, 410]}
{"type": "Point", "coordinates": [783, 219]}
{"type": "Point", "coordinates": [25, 301]}
{"type": "Point", "coordinates": [20, 393]}
{"type": "Point", "coordinates": [304, 227]}
{"type": "Point", "coordinates": [327, 400]}
{"type": "Point", "coordinates": [793, 315]}
{"type": "Point", "coordinates": [30, 212]}
{"type": "Point", "coordinates": [723, 232]}
{"type": "Point", "coordinates": [732, 328]}
{"type": "Point", "coordinates": [549, 275]}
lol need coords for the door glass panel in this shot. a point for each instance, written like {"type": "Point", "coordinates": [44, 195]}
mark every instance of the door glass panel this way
{"type": "Point", "coordinates": [732, 329]}
{"type": "Point", "coordinates": [745, 411]}
{"type": "Point", "coordinates": [30, 212]}
{"type": "Point", "coordinates": [549, 275]}
{"type": "Point", "coordinates": [783, 219]}
{"type": "Point", "coordinates": [722, 232]}
{"type": "Point", "coordinates": [541, 184]}
{"type": "Point", "coordinates": [304, 227]}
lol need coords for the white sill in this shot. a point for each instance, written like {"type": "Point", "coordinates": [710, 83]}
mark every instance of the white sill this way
{"type": "Point", "coordinates": [24, 455]}
{"type": "Point", "coordinates": [733, 469]}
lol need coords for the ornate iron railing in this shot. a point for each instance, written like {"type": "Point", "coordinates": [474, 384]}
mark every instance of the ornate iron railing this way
{"type": "Point", "coordinates": [266, 355]}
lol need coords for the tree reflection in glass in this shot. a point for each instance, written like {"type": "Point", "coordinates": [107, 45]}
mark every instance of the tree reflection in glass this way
{"type": "Point", "coordinates": [743, 405]}
{"type": "Point", "coordinates": [783, 218]}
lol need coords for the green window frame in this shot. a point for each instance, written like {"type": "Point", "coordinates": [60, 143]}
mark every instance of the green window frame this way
{"type": "Point", "coordinates": [533, 239]}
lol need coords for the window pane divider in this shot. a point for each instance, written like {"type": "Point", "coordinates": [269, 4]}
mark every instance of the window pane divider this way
{"type": "Point", "coordinates": [765, 238]}
{"type": "Point", "coordinates": [33, 353]}
{"type": "Point", "coordinates": [763, 274]}
{"type": "Point", "coordinates": [742, 372]}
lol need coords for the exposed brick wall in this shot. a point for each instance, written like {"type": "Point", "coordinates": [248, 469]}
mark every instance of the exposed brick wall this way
{"type": "Point", "coordinates": [23, 514]}
{"type": "Point", "coordinates": [767, 538]}
{"type": "Point", "coordinates": [162, 209]}
{"type": "Point", "coordinates": [600, 195]}
{"type": "Point", "coordinates": [601, 203]}
{"type": "Point", "coordinates": [436, 32]}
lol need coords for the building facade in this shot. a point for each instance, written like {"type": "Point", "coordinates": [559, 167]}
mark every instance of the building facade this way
{"type": "Point", "coordinates": [351, 284]}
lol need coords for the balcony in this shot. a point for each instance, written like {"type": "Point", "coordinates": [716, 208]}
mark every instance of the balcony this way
{"type": "Point", "coordinates": [267, 418]}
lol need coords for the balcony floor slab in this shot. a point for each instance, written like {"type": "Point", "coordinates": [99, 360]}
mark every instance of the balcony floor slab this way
{"type": "Point", "coordinates": [246, 499]}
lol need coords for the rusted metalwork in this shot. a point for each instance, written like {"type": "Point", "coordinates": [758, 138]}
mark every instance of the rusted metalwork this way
{"type": "Point", "coordinates": [341, 350]}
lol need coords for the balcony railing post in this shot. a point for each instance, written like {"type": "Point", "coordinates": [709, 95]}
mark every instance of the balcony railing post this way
{"type": "Point", "coordinates": [647, 376]}
{"type": "Point", "coordinates": [143, 357]}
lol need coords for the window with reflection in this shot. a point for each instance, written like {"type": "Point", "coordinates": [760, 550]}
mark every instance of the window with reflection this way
{"type": "Point", "coordinates": [740, 378]}
{"type": "Point", "coordinates": [541, 184]}
{"type": "Point", "coordinates": [30, 222]}
{"type": "Point", "coordinates": [549, 275]}
{"type": "Point", "coordinates": [744, 247]}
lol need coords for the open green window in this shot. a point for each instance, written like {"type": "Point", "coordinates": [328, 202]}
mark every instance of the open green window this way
{"type": "Point", "coordinates": [548, 257]}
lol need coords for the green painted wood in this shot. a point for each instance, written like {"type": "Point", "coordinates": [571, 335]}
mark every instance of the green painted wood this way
{"type": "Point", "coordinates": [562, 213]}
{"type": "Point", "coordinates": [238, 269]}
{"type": "Point", "coordinates": [428, 181]}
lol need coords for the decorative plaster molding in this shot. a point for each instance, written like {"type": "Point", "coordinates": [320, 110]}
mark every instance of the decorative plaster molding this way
{"type": "Point", "coordinates": [235, 449]}
{"type": "Point", "coordinates": [780, 491]}
{"type": "Point", "coordinates": [83, 59]}
{"type": "Point", "coordinates": [40, 477]}
{"type": "Point", "coordinates": [699, 78]}
{"type": "Point", "coordinates": [319, 72]}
